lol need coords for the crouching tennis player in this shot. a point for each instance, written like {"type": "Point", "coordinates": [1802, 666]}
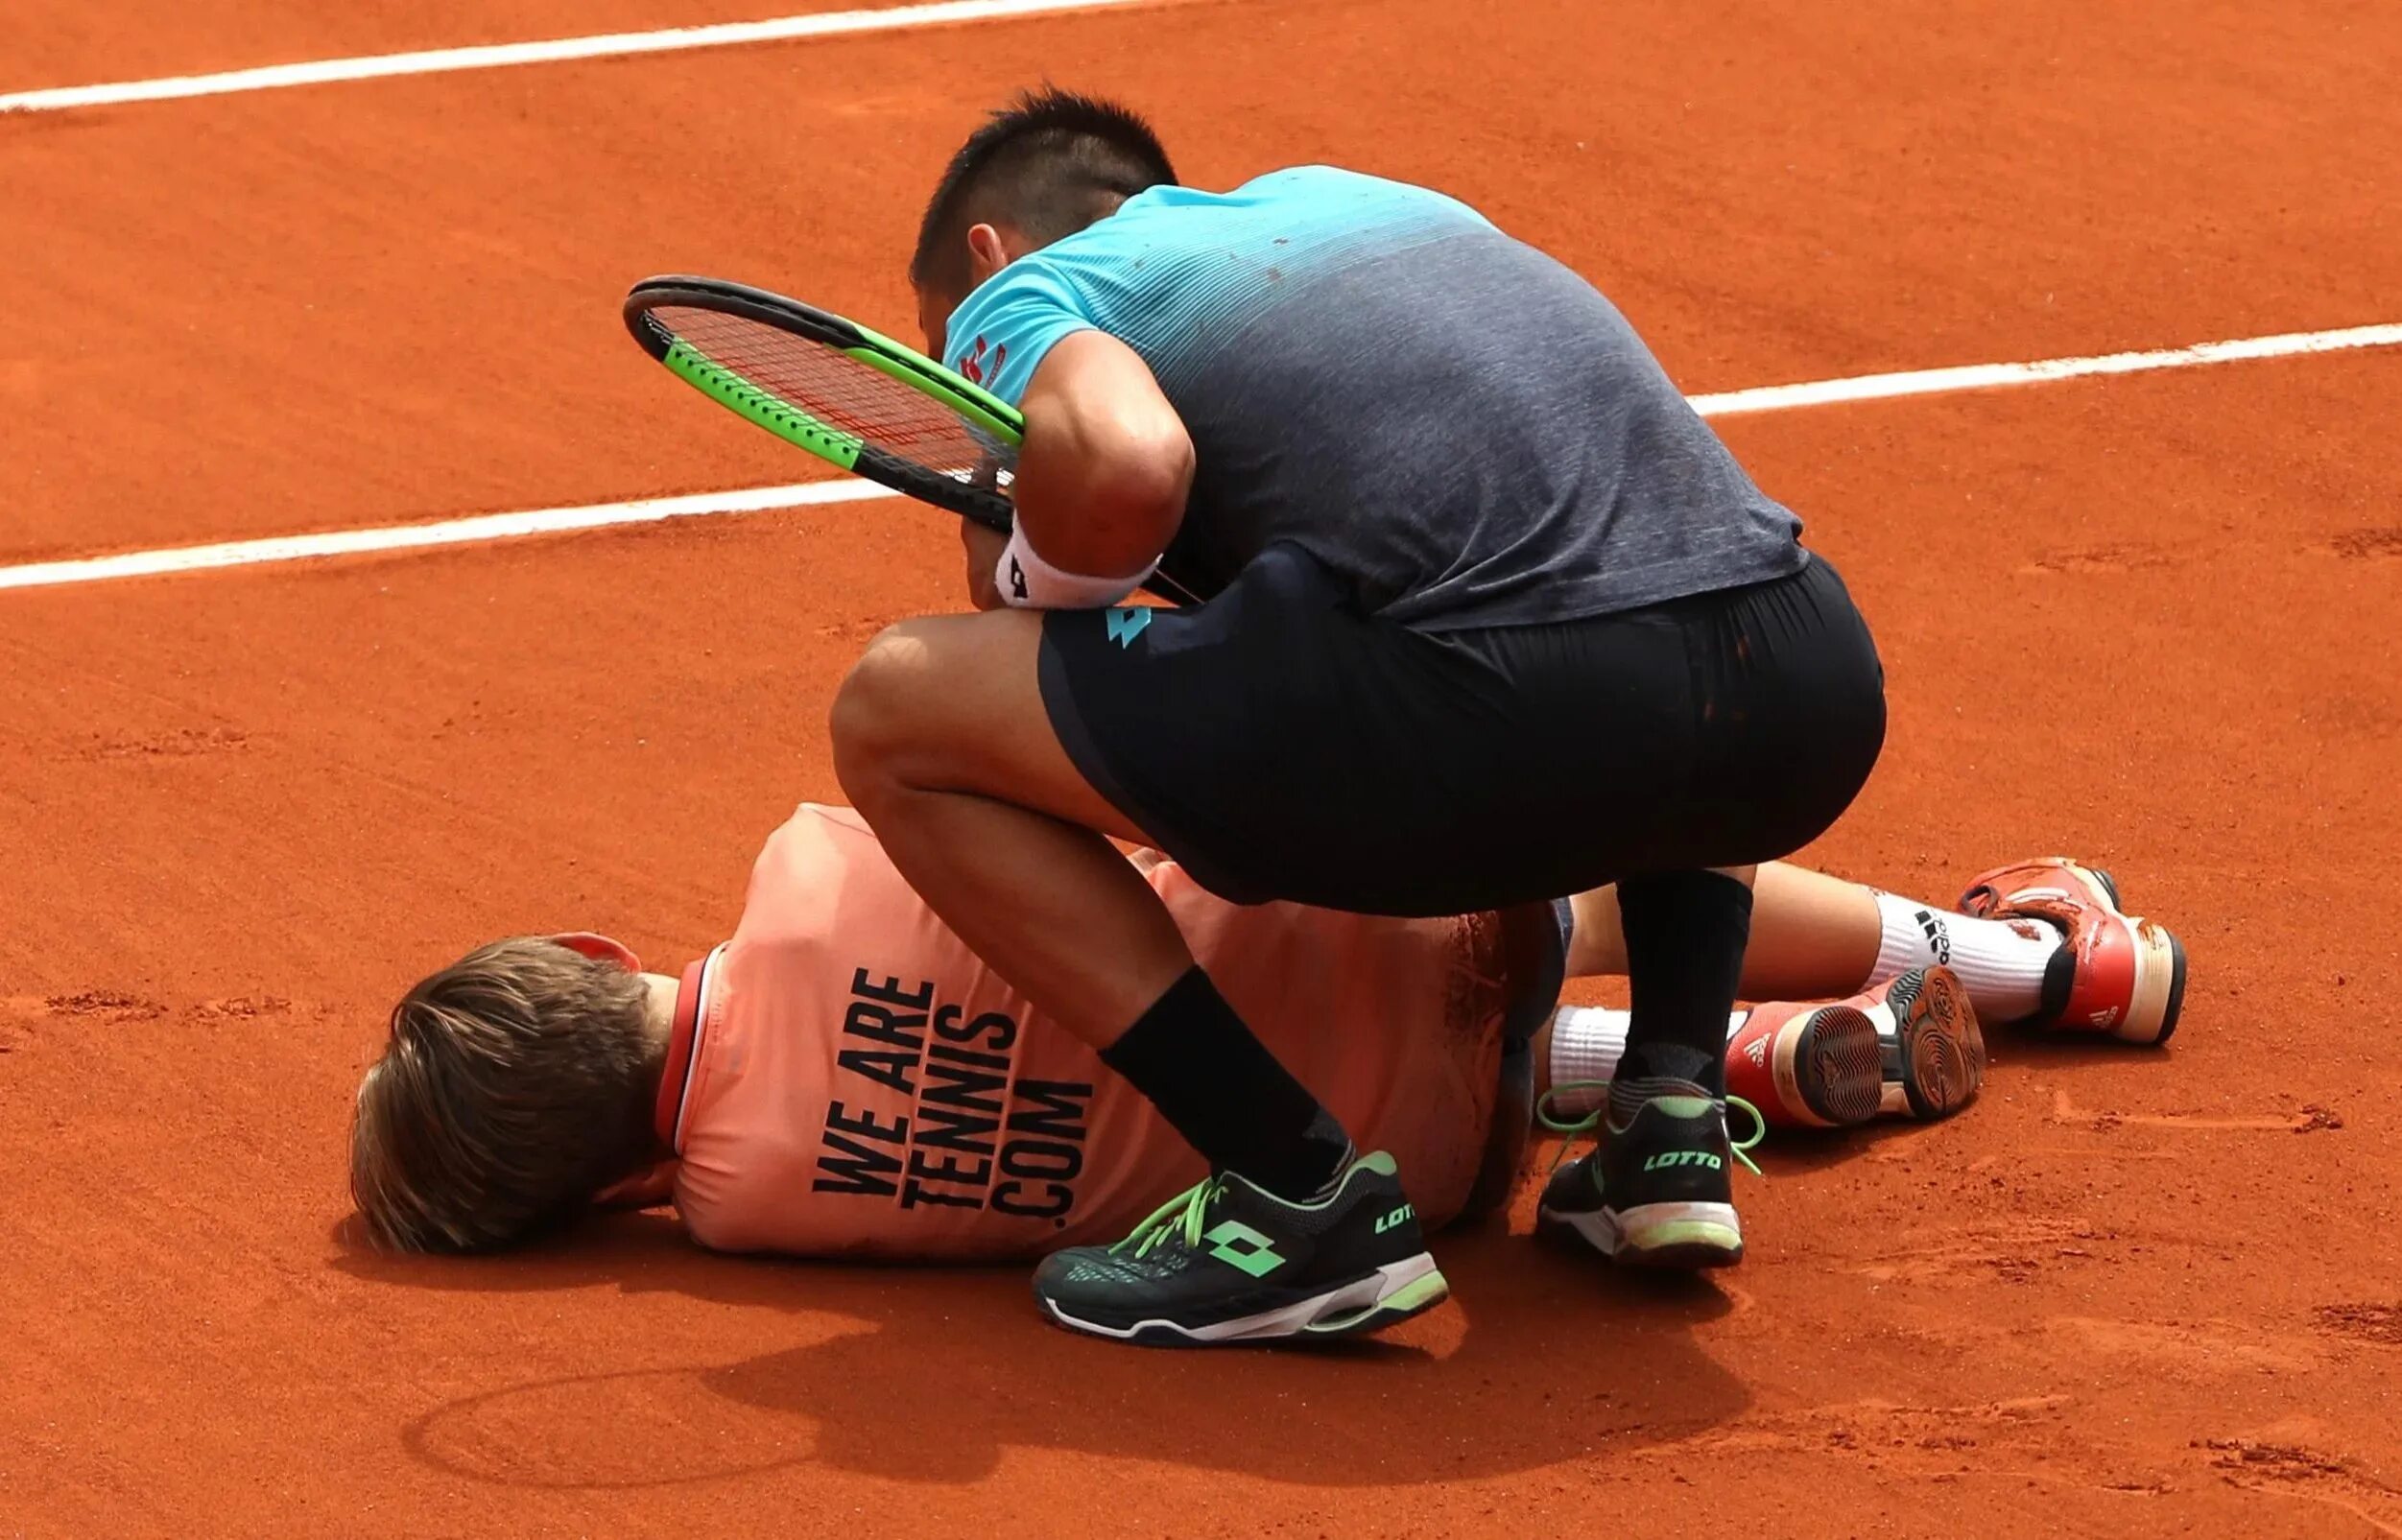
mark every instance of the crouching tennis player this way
{"type": "Point", "coordinates": [845, 1078]}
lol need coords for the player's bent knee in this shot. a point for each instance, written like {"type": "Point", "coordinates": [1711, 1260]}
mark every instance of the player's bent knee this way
{"type": "Point", "coordinates": [869, 708]}
{"type": "Point", "coordinates": [887, 706]}
{"type": "Point", "coordinates": [940, 703]}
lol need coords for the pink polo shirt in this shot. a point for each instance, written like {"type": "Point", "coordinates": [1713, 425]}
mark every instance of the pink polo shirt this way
{"type": "Point", "coordinates": [847, 1080]}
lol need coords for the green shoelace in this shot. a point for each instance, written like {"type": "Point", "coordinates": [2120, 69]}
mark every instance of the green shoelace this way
{"type": "Point", "coordinates": [1573, 1128]}
{"type": "Point", "coordinates": [1179, 1216]}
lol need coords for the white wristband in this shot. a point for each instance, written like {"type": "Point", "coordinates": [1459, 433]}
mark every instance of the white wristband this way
{"type": "Point", "coordinates": [1027, 581]}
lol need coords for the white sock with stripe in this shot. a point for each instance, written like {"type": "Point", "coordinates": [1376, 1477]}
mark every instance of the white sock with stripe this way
{"type": "Point", "coordinates": [2001, 962]}
{"type": "Point", "coordinates": [1586, 1044]}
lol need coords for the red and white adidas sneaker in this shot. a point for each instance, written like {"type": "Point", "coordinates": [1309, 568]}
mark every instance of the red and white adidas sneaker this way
{"type": "Point", "coordinates": [2117, 973]}
{"type": "Point", "coordinates": [1909, 1047]}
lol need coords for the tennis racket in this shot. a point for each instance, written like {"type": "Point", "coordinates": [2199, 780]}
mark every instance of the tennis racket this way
{"type": "Point", "coordinates": [834, 388]}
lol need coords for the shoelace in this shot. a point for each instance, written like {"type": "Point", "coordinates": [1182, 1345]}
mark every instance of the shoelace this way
{"type": "Point", "coordinates": [1573, 1129]}
{"type": "Point", "coordinates": [1179, 1216]}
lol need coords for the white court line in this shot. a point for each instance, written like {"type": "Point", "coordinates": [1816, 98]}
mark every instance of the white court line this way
{"type": "Point", "coordinates": [494, 55]}
{"type": "Point", "coordinates": [477, 531]}
{"type": "Point", "coordinates": [491, 526]}
{"type": "Point", "coordinates": [1983, 376]}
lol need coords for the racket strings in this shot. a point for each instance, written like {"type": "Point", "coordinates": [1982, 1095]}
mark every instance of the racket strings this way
{"type": "Point", "coordinates": [840, 390]}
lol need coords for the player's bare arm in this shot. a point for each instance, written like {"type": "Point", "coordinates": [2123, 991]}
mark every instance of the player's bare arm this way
{"type": "Point", "coordinates": [1106, 463]}
{"type": "Point", "coordinates": [1101, 479]}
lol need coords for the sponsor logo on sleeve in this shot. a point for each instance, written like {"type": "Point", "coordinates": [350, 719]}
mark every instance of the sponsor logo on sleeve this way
{"type": "Point", "coordinates": [974, 367]}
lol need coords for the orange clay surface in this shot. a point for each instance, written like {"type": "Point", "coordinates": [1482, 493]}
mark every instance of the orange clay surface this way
{"type": "Point", "coordinates": [2146, 620]}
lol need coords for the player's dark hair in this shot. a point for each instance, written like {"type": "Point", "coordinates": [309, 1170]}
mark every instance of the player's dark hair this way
{"type": "Point", "coordinates": [1049, 163]}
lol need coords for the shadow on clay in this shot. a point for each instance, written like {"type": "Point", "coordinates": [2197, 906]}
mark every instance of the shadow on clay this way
{"type": "Point", "coordinates": [1543, 1357]}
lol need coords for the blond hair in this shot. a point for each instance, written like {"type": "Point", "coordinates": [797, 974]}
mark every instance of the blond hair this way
{"type": "Point", "coordinates": [514, 1085]}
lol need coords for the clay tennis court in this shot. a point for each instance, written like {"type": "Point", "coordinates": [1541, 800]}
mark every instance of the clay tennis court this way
{"type": "Point", "coordinates": [2147, 619]}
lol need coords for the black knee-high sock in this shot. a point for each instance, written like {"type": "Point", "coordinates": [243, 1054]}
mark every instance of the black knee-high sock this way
{"type": "Point", "coordinates": [1685, 936]}
{"type": "Point", "coordinates": [1219, 1087]}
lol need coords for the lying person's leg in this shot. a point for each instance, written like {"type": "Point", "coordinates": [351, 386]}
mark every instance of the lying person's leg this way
{"type": "Point", "coordinates": [2043, 944]}
{"type": "Point", "coordinates": [1908, 1047]}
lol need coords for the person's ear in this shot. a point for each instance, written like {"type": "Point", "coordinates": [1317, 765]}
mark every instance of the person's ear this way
{"type": "Point", "coordinates": [599, 948]}
{"type": "Point", "coordinates": [986, 252]}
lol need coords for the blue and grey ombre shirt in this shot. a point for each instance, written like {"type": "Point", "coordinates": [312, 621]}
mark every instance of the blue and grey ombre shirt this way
{"type": "Point", "coordinates": [1462, 425]}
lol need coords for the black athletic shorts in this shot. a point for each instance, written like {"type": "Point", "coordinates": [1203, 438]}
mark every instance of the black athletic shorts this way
{"type": "Point", "coordinates": [1283, 745]}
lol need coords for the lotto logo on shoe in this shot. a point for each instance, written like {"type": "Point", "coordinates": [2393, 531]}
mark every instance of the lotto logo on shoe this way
{"type": "Point", "coordinates": [1939, 935]}
{"type": "Point", "coordinates": [1394, 1218]}
{"type": "Point", "coordinates": [1667, 1159]}
{"type": "Point", "coordinates": [1238, 1246]}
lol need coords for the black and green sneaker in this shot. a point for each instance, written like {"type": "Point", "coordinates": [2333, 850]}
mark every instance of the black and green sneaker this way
{"type": "Point", "coordinates": [1230, 1262]}
{"type": "Point", "coordinates": [1658, 1191]}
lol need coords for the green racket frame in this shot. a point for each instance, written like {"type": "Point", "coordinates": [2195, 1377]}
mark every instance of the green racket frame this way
{"type": "Point", "coordinates": [978, 408]}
